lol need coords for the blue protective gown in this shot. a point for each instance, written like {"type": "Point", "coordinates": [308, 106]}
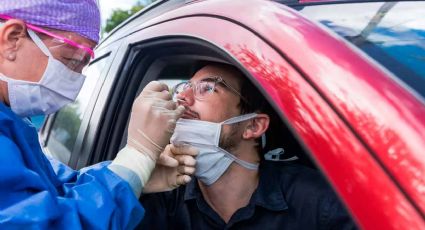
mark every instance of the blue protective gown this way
{"type": "Point", "coordinates": [38, 193]}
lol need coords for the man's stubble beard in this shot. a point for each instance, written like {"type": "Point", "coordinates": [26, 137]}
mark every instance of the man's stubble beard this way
{"type": "Point", "coordinates": [231, 140]}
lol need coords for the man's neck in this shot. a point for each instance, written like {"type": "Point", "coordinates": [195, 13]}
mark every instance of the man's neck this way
{"type": "Point", "coordinates": [232, 191]}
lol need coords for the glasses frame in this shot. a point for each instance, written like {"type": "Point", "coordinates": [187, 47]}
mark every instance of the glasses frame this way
{"type": "Point", "coordinates": [43, 31]}
{"type": "Point", "coordinates": [216, 80]}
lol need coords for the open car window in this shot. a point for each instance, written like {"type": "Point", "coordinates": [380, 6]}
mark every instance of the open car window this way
{"type": "Point", "coordinates": [66, 123]}
{"type": "Point", "coordinates": [179, 64]}
{"type": "Point", "coordinates": [391, 33]}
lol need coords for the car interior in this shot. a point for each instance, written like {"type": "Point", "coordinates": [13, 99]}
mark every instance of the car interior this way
{"type": "Point", "coordinates": [174, 64]}
{"type": "Point", "coordinates": [171, 61]}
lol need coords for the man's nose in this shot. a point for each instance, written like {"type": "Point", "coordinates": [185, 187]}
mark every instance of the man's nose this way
{"type": "Point", "coordinates": [186, 97]}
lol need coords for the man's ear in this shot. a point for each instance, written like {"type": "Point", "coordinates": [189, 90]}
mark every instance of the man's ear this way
{"type": "Point", "coordinates": [257, 126]}
{"type": "Point", "coordinates": [12, 34]}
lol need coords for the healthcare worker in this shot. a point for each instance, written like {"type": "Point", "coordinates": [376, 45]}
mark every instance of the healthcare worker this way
{"type": "Point", "coordinates": [44, 45]}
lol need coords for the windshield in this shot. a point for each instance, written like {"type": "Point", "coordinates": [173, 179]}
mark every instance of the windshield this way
{"type": "Point", "coordinates": [392, 33]}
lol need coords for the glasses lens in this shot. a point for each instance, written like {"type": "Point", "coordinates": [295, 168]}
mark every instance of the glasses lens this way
{"type": "Point", "coordinates": [179, 88]}
{"type": "Point", "coordinates": [204, 88]}
{"type": "Point", "coordinates": [74, 58]}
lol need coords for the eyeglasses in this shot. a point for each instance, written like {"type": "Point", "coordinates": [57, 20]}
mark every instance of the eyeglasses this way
{"type": "Point", "coordinates": [203, 88]}
{"type": "Point", "coordinates": [73, 55]}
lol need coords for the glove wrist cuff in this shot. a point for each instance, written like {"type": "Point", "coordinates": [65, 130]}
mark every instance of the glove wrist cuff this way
{"type": "Point", "coordinates": [141, 164]}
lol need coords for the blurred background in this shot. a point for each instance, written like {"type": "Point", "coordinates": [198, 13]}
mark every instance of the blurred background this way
{"type": "Point", "coordinates": [115, 12]}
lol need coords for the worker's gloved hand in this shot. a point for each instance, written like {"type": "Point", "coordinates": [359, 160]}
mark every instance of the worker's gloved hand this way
{"type": "Point", "coordinates": [153, 119]}
{"type": "Point", "coordinates": [173, 168]}
{"type": "Point", "coordinates": [152, 122]}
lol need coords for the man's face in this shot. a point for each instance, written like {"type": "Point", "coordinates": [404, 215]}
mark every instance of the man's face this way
{"type": "Point", "coordinates": [219, 105]}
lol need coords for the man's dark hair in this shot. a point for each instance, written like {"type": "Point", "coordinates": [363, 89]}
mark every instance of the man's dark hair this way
{"type": "Point", "coordinates": [257, 103]}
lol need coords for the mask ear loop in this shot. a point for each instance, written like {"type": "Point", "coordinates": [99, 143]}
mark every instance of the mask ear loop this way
{"type": "Point", "coordinates": [243, 163]}
{"type": "Point", "coordinates": [263, 141]}
{"type": "Point", "coordinates": [39, 43]}
{"type": "Point", "coordinates": [239, 119]}
{"type": "Point", "coordinates": [244, 118]}
{"type": "Point", "coordinates": [234, 120]}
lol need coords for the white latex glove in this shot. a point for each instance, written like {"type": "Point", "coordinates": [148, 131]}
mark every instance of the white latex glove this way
{"type": "Point", "coordinates": [153, 119]}
{"type": "Point", "coordinates": [173, 168]}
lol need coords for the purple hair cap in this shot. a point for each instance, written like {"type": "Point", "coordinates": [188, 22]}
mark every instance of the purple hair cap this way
{"type": "Point", "coordinates": [79, 16]}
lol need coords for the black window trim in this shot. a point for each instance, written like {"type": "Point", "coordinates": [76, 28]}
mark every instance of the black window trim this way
{"type": "Point", "coordinates": [115, 119]}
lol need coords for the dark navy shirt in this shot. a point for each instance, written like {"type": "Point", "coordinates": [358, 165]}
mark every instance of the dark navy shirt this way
{"type": "Point", "coordinates": [288, 196]}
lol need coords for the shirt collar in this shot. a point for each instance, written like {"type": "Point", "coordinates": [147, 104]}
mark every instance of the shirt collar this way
{"type": "Point", "coordinates": [268, 194]}
{"type": "Point", "coordinates": [192, 190]}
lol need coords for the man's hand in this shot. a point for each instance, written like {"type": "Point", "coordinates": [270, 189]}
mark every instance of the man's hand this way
{"type": "Point", "coordinates": [174, 167]}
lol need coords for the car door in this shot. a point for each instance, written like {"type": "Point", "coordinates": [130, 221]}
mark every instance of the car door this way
{"type": "Point", "coordinates": [286, 57]}
{"type": "Point", "coordinates": [264, 45]}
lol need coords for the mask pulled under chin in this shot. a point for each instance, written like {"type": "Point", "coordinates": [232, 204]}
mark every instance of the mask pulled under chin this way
{"type": "Point", "coordinates": [58, 87]}
{"type": "Point", "coordinates": [212, 161]}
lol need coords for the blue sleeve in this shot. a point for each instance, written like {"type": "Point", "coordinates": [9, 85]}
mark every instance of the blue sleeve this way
{"type": "Point", "coordinates": [61, 198]}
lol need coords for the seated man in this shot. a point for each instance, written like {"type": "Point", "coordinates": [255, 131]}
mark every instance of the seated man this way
{"type": "Point", "coordinates": [235, 186]}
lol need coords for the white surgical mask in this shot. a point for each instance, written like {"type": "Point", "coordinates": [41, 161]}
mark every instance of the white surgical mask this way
{"type": "Point", "coordinates": [58, 86]}
{"type": "Point", "coordinates": [212, 161]}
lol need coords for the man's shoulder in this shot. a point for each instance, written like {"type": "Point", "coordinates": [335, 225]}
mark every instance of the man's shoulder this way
{"type": "Point", "coordinates": [291, 169]}
{"type": "Point", "coordinates": [298, 180]}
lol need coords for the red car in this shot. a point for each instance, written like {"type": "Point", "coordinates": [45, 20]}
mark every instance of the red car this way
{"type": "Point", "coordinates": [346, 77]}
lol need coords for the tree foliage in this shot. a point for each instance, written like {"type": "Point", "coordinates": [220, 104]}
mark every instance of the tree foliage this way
{"type": "Point", "coordinates": [119, 16]}
{"type": "Point", "coordinates": [66, 126]}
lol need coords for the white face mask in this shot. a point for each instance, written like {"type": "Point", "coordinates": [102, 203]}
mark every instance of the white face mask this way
{"type": "Point", "coordinates": [58, 86]}
{"type": "Point", "coordinates": [212, 161]}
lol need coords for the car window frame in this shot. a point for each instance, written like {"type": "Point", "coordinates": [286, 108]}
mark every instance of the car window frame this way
{"type": "Point", "coordinates": [128, 44]}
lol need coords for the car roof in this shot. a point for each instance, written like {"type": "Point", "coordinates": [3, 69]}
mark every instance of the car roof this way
{"type": "Point", "coordinates": [160, 7]}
